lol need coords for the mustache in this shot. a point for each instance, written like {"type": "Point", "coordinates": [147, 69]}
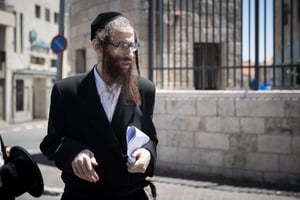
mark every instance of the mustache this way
{"type": "Point", "coordinates": [126, 59]}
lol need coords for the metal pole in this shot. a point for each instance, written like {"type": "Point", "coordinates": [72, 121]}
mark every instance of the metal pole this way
{"type": "Point", "coordinates": [150, 40]}
{"type": "Point", "coordinates": [256, 44]}
{"type": "Point", "coordinates": [161, 43]}
{"type": "Point", "coordinates": [60, 32]}
{"type": "Point", "coordinates": [292, 68]}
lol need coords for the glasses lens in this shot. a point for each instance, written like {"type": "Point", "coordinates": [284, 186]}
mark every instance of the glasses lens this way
{"type": "Point", "coordinates": [135, 46]}
{"type": "Point", "coordinates": [123, 46]}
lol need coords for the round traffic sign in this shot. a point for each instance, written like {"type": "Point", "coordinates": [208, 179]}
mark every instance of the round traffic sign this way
{"type": "Point", "coordinates": [58, 44]}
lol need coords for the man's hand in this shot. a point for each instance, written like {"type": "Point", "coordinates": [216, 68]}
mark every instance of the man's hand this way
{"type": "Point", "coordinates": [143, 157]}
{"type": "Point", "coordinates": [7, 151]}
{"type": "Point", "coordinates": [83, 166]}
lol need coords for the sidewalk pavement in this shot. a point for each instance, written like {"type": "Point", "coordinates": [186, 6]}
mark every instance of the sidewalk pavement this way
{"type": "Point", "coordinates": [174, 189]}
{"type": "Point", "coordinates": [167, 188]}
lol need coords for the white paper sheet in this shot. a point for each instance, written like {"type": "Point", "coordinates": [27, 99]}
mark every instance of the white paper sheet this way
{"type": "Point", "coordinates": [135, 139]}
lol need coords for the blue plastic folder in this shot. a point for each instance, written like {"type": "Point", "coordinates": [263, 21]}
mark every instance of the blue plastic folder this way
{"type": "Point", "coordinates": [135, 139]}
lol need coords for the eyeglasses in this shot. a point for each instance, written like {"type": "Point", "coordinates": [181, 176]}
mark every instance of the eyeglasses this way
{"type": "Point", "coordinates": [124, 46]}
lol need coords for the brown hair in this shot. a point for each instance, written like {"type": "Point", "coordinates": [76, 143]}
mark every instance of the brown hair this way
{"type": "Point", "coordinates": [129, 91]}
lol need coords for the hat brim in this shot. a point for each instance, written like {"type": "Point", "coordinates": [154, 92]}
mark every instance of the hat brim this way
{"type": "Point", "coordinates": [37, 188]}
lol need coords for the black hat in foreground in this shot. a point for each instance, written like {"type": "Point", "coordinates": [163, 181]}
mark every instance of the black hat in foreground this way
{"type": "Point", "coordinates": [21, 174]}
{"type": "Point", "coordinates": [101, 20]}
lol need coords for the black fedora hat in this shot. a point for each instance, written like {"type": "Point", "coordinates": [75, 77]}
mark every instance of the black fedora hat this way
{"type": "Point", "coordinates": [21, 174]}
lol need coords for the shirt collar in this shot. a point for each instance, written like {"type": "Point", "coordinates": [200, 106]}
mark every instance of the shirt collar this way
{"type": "Point", "coordinates": [101, 85]}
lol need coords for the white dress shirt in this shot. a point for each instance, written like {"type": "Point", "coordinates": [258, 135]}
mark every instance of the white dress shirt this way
{"type": "Point", "coordinates": [109, 95]}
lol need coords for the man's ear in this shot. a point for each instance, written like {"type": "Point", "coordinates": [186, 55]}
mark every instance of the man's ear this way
{"type": "Point", "coordinates": [96, 46]}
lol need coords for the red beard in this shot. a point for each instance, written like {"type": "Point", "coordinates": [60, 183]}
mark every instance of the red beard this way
{"type": "Point", "coordinates": [112, 67]}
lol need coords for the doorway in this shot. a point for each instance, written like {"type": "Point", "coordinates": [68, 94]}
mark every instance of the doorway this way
{"type": "Point", "coordinates": [39, 98]}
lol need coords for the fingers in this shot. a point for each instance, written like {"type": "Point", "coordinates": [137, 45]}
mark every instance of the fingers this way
{"type": "Point", "coordinates": [143, 157]}
{"type": "Point", "coordinates": [7, 150]}
{"type": "Point", "coordinates": [83, 167]}
{"type": "Point", "coordinates": [137, 168]}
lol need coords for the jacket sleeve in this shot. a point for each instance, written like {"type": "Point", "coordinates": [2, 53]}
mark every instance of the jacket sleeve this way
{"type": "Point", "coordinates": [147, 89]}
{"type": "Point", "coordinates": [56, 145]}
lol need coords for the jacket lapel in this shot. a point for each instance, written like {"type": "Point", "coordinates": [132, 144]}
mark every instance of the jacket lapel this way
{"type": "Point", "coordinates": [95, 113]}
{"type": "Point", "coordinates": [123, 114]}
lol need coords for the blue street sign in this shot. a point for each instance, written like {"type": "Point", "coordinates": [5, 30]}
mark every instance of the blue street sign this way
{"type": "Point", "coordinates": [58, 44]}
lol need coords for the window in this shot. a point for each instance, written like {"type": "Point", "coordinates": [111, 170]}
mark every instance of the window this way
{"type": "Point", "coordinates": [206, 60]}
{"type": "Point", "coordinates": [2, 60]}
{"type": "Point", "coordinates": [21, 32]}
{"type": "Point", "coordinates": [53, 63]}
{"type": "Point", "coordinates": [47, 15]}
{"type": "Point", "coordinates": [56, 18]}
{"type": "Point", "coordinates": [20, 95]}
{"type": "Point", "coordinates": [37, 60]}
{"type": "Point", "coordinates": [15, 33]}
{"type": "Point", "coordinates": [37, 11]}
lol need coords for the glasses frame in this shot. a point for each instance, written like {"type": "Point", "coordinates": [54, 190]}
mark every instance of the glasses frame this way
{"type": "Point", "coordinates": [123, 46]}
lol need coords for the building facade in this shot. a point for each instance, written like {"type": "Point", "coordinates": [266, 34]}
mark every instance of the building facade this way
{"type": "Point", "coordinates": [194, 41]}
{"type": "Point", "coordinates": [27, 64]}
{"type": "Point", "coordinates": [177, 39]}
{"type": "Point", "coordinates": [81, 13]}
{"type": "Point", "coordinates": [287, 43]}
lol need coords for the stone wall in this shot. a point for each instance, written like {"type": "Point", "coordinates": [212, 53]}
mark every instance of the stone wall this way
{"type": "Point", "coordinates": [237, 135]}
{"type": "Point", "coordinates": [81, 15]}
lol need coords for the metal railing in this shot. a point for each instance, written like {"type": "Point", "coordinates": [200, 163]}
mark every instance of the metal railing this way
{"type": "Point", "coordinates": [224, 44]}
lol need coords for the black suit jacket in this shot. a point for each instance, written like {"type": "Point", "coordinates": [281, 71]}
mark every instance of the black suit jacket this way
{"type": "Point", "coordinates": [77, 121]}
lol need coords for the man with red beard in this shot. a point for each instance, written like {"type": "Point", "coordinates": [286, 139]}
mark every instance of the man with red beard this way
{"type": "Point", "coordinates": [91, 113]}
